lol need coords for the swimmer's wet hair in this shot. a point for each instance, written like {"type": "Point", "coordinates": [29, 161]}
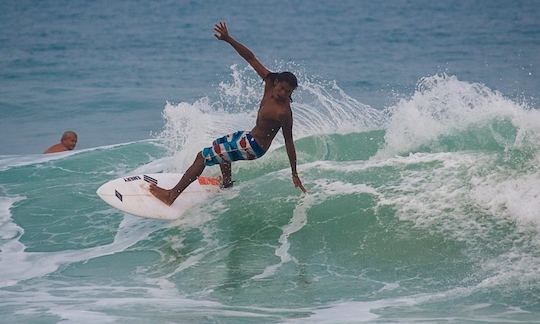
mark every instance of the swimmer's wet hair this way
{"type": "Point", "coordinates": [67, 133]}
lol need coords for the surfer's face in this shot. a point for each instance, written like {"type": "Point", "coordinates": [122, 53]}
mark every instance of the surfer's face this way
{"type": "Point", "coordinates": [69, 141]}
{"type": "Point", "coordinates": [283, 90]}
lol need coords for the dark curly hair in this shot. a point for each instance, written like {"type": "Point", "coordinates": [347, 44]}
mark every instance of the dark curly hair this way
{"type": "Point", "coordinates": [289, 78]}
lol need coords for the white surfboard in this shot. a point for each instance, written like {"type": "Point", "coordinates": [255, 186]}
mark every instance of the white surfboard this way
{"type": "Point", "coordinates": [131, 195]}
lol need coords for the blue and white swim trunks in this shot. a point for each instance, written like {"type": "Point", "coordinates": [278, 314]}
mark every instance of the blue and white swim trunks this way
{"type": "Point", "coordinates": [233, 147]}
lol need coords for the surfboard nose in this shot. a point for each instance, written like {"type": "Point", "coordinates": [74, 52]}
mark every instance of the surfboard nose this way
{"type": "Point", "coordinates": [105, 188]}
{"type": "Point", "coordinates": [101, 190]}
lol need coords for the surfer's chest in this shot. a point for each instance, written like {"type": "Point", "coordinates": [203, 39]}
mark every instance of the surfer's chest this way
{"type": "Point", "coordinates": [269, 111]}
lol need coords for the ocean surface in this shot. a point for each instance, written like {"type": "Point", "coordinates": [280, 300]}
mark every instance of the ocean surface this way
{"type": "Point", "coordinates": [417, 129]}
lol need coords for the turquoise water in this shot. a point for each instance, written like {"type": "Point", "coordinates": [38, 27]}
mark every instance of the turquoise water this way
{"type": "Point", "coordinates": [417, 133]}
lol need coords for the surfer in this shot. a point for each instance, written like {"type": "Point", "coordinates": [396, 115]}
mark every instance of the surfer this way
{"type": "Point", "coordinates": [274, 113]}
{"type": "Point", "coordinates": [67, 143]}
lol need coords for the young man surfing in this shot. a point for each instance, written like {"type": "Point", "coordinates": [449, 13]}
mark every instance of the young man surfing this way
{"type": "Point", "coordinates": [274, 113]}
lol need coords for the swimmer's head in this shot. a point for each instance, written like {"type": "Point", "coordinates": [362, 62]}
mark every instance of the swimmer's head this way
{"type": "Point", "coordinates": [69, 140]}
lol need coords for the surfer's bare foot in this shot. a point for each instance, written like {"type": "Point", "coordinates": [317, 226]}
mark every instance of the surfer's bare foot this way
{"type": "Point", "coordinates": [225, 185]}
{"type": "Point", "coordinates": [162, 194]}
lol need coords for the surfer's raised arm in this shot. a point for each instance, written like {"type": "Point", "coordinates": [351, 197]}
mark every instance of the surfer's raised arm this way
{"type": "Point", "coordinates": [223, 34]}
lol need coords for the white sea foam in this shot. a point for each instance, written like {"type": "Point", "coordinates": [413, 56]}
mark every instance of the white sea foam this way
{"type": "Point", "coordinates": [11, 247]}
{"type": "Point", "coordinates": [11, 161]}
{"type": "Point", "coordinates": [194, 257]}
{"type": "Point", "coordinates": [155, 166]}
{"type": "Point", "coordinates": [344, 312]}
{"type": "Point", "coordinates": [369, 311]}
{"type": "Point", "coordinates": [443, 105]}
{"type": "Point", "coordinates": [468, 198]}
{"type": "Point", "coordinates": [297, 222]}
{"type": "Point", "coordinates": [79, 304]}
{"type": "Point", "coordinates": [17, 265]}
{"type": "Point", "coordinates": [432, 190]}
{"type": "Point", "coordinates": [327, 188]}
{"type": "Point", "coordinates": [436, 197]}
{"type": "Point", "coordinates": [322, 191]}
{"type": "Point", "coordinates": [190, 127]}
{"type": "Point", "coordinates": [8, 229]}
{"type": "Point", "coordinates": [510, 195]}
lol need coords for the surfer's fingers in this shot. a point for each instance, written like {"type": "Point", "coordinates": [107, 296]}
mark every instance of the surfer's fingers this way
{"type": "Point", "coordinates": [221, 27]}
{"type": "Point", "coordinates": [298, 184]}
{"type": "Point", "coordinates": [220, 34]}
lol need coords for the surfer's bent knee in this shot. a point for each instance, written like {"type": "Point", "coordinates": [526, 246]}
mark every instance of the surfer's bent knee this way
{"type": "Point", "coordinates": [199, 157]}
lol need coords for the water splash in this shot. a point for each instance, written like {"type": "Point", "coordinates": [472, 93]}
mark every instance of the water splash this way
{"type": "Point", "coordinates": [444, 105]}
{"type": "Point", "coordinates": [319, 108]}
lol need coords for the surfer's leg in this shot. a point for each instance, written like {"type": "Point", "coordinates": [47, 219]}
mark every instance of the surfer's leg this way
{"type": "Point", "coordinates": [169, 196]}
{"type": "Point", "coordinates": [192, 173]}
{"type": "Point", "coordinates": [226, 173]}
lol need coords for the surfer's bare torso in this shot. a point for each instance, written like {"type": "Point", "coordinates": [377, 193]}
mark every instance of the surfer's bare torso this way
{"type": "Point", "coordinates": [274, 113]}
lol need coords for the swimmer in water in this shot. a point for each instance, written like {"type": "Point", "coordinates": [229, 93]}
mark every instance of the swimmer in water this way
{"type": "Point", "coordinates": [67, 143]}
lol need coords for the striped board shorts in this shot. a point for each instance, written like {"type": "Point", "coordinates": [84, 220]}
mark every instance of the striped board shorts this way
{"type": "Point", "coordinates": [232, 147]}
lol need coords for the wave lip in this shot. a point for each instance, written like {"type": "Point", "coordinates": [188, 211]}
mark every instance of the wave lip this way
{"type": "Point", "coordinates": [444, 105]}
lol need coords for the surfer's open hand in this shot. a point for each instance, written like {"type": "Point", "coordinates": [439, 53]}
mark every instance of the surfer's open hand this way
{"type": "Point", "coordinates": [298, 183]}
{"type": "Point", "coordinates": [221, 31]}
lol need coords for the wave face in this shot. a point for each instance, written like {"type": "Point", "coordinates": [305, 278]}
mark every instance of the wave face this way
{"type": "Point", "coordinates": [426, 211]}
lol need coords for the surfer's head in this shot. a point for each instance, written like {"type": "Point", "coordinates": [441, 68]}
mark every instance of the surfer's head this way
{"type": "Point", "coordinates": [289, 78]}
{"type": "Point", "coordinates": [284, 85]}
{"type": "Point", "coordinates": [69, 140]}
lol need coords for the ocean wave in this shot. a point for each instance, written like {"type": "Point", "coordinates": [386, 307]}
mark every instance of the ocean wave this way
{"type": "Point", "coordinates": [443, 107]}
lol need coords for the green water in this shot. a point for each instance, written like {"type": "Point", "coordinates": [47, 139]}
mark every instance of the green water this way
{"type": "Point", "coordinates": [393, 239]}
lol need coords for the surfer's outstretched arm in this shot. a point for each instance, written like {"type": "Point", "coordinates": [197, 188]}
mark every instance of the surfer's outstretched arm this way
{"type": "Point", "coordinates": [291, 151]}
{"type": "Point", "coordinates": [223, 34]}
